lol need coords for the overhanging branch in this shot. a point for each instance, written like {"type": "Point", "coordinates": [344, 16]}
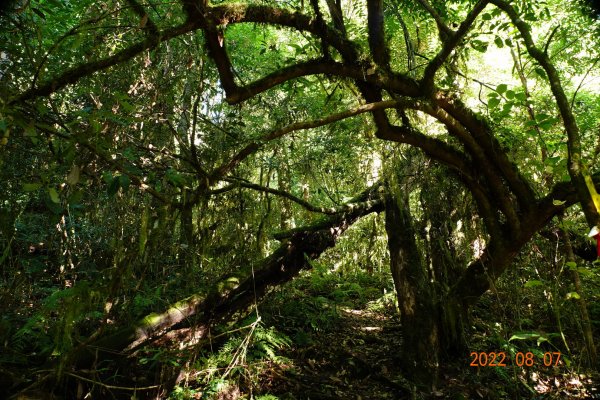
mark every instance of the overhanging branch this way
{"type": "Point", "coordinates": [310, 207]}
{"type": "Point", "coordinates": [74, 74]}
{"type": "Point", "coordinates": [251, 148]}
{"type": "Point", "coordinates": [450, 42]}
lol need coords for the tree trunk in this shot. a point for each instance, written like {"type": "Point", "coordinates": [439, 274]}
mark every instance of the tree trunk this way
{"type": "Point", "coordinates": [187, 245]}
{"type": "Point", "coordinates": [586, 324]}
{"type": "Point", "coordinates": [420, 334]}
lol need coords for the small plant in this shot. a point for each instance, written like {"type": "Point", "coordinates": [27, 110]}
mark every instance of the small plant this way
{"type": "Point", "coordinates": [183, 393]}
{"type": "Point", "coordinates": [249, 351]}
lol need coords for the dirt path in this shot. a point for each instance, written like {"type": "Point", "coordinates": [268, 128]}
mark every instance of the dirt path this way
{"type": "Point", "coordinates": [355, 360]}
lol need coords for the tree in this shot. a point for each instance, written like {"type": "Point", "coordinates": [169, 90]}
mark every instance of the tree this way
{"type": "Point", "coordinates": [353, 62]}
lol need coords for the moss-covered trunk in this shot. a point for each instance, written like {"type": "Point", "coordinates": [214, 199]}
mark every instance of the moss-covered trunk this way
{"type": "Point", "coordinates": [420, 334]}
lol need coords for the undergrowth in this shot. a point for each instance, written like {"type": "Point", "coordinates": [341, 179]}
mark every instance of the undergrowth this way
{"type": "Point", "coordinates": [241, 365]}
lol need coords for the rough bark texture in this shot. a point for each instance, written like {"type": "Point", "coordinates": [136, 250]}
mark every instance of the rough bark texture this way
{"type": "Point", "coordinates": [420, 346]}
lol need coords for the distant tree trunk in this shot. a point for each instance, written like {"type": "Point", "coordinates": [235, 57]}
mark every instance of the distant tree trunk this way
{"type": "Point", "coordinates": [283, 182]}
{"type": "Point", "coordinates": [370, 256]}
{"type": "Point", "coordinates": [420, 334]}
{"type": "Point", "coordinates": [586, 325]}
{"type": "Point", "coordinates": [186, 237]}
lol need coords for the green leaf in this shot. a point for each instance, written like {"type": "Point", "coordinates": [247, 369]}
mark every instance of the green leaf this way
{"type": "Point", "coordinates": [521, 96]}
{"type": "Point", "coordinates": [573, 295]}
{"type": "Point", "coordinates": [541, 116]}
{"type": "Point", "coordinates": [55, 208]}
{"type": "Point", "coordinates": [31, 187]}
{"type": "Point", "coordinates": [571, 264]}
{"type": "Point", "coordinates": [113, 187]}
{"type": "Point", "coordinates": [530, 17]}
{"type": "Point", "coordinates": [510, 94]}
{"type": "Point", "coordinates": [540, 72]}
{"type": "Point", "coordinates": [53, 195]}
{"type": "Point", "coordinates": [558, 202]}
{"type": "Point", "coordinates": [124, 182]}
{"type": "Point", "coordinates": [552, 160]}
{"type": "Point", "coordinates": [479, 45]}
{"type": "Point", "coordinates": [75, 197]}
{"type": "Point", "coordinates": [541, 340]}
{"type": "Point", "coordinates": [493, 102]}
{"type": "Point", "coordinates": [499, 42]}
{"type": "Point", "coordinates": [546, 125]}
{"type": "Point", "coordinates": [501, 88]}
{"type": "Point", "coordinates": [524, 336]}
{"type": "Point", "coordinates": [73, 176]}
{"type": "Point", "coordinates": [107, 177]}
{"type": "Point", "coordinates": [530, 132]}
{"type": "Point", "coordinates": [533, 283]}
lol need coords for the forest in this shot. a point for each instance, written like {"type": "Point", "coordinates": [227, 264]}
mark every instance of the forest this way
{"type": "Point", "coordinates": [290, 199]}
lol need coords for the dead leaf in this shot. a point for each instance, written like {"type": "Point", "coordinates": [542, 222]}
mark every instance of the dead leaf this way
{"type": "Point", "coordinates": [143, 21]}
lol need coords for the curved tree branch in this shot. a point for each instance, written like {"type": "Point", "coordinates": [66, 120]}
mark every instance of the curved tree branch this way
{"type": "Point", "coordinates": [448, 45]}
{"type": "Point", "coordinates": [441, 24]}
{"type": "Point", "coordinates": [481, 133]}
{"type": "Point", "coordinates": [251, 148]}
{"type": "Point", "coordinates": [74, 74]}
{"type": "Point", "coordinates": [308, 206]}
{"type": "Point", "coordinates": [576, 167]}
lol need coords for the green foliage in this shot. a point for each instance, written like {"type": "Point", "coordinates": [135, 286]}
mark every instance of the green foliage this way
{"type": "Point", "coordinates": [112, 203]}
{"type": "Point", "coordinates": [239, 360]}
{"type": "Point", "coordinates": [539, 338]}
{"type": "Point", "coordinates": [184, 393]}
{"type": "Point", "coordinates": [387, 302]}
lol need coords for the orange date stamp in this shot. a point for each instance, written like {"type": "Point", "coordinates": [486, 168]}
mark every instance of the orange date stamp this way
{"type": "Point", "coordinates": [500, 359]}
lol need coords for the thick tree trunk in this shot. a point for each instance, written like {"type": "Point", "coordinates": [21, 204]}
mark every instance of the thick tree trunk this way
{"type": "Point", "coordinates": [439, 202]}
{"type": "Point", "coordinates": [420, 334]}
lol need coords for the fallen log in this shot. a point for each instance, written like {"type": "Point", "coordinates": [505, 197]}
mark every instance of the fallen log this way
{"type": "Point", "coordinates": [232, 295]}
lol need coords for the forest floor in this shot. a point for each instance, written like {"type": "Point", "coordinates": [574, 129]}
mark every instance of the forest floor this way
{"type": "Point", "coordinates": [353, 360]}
{"type": "Point", "coordinates": [324, 337]}
{"type": "Point", "coordinates": [354, 354]}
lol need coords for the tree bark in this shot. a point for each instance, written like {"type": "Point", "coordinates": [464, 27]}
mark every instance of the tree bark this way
{"type": "Point", "coordinates": [420, 340]}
